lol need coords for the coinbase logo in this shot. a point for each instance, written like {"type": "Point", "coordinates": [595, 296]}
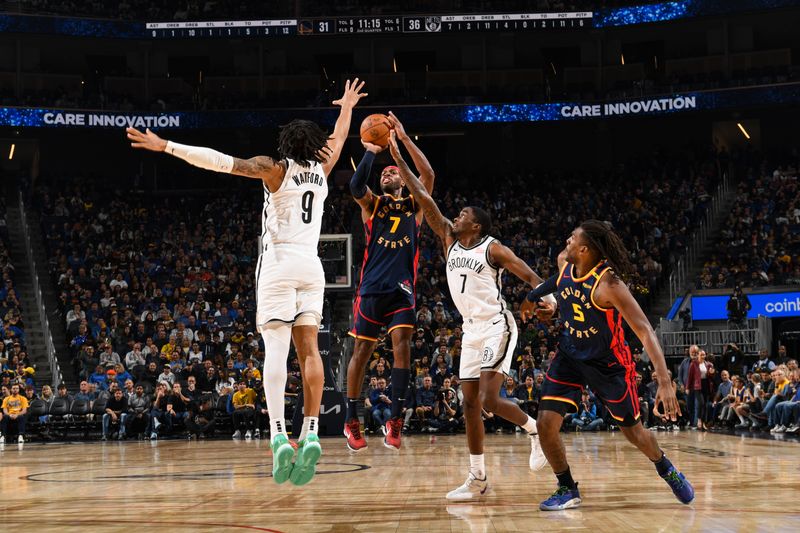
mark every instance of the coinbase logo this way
{"type": "Point", "coordinates": [786, 306]}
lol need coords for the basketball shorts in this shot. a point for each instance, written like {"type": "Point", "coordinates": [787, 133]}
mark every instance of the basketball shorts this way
{"type": "Point", "coordinates": [610, 380]}
{"type": "Point", "coordinates": [289, 282]}
{"type": "Point", "coordinates": [372, 312]}
{"type": "Point", "coordinates": [487, 346]}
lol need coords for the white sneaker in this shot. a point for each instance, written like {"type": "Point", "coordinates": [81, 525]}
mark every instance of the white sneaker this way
{"type": "Point", "coordinates": [237, 434]}
{"type": "Point", "coordinates": [257, 434]}
{"type": "Point", "coordinates": [472, 489]}
{"type": "Point", "coordinates": [793, 428]}
{"type": "Point", "coordinates": [537, 460]}
{"type": "Point", "coordinates": [2, 439]}
{"type": "Point", "coordinates": [775, 429]}
{"type": "Point", "coordinates": [21, 439]}
{"type": "Point", "coordinates": [778, 429]}
{"type": "Point", "coordinates": [248, 435]}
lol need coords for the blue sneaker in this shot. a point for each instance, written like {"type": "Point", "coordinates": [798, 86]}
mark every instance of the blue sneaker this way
{"type": "Point", "coordinates": [563, 498]}
{"type": "Point", "coordinates": [681, 488]}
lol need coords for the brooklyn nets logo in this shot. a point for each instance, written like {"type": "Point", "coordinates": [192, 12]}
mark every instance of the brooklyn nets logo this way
{"type": "Point", "coordinates": [488, 355]}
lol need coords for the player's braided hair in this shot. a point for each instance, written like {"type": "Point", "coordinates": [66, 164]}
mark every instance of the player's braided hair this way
{"type": "Point", "coordinates": [301, 140]}
{"type": "Point", "coordinates": [607, 244]}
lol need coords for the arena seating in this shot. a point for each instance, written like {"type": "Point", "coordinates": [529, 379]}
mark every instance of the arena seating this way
{"type": "Point", "coordinates": [14, 362]}
{"type": "Point", "coordinates": [137, 266]}
{"type": "Point", "coordinates": [759, 244]}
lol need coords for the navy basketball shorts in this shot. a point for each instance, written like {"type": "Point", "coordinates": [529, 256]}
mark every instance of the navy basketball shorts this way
{"type": "Point", "coordinates": [375, 311]}
{"type": "Point", "coordinates": [610, 380]}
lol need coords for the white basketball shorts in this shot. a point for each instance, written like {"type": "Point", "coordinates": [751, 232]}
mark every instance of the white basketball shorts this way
{"type": "Point", "coordinates": [289, 282]}
{"type": "Point", "coordinates": [487, 346]}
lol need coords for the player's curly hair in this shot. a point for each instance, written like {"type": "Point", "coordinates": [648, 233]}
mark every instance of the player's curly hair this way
{"type": "Point", "coordinates": [301, 140]}
{"type": "Point", "coordinates": [607, 244]}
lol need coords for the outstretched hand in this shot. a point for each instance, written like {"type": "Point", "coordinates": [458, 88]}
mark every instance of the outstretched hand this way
{"type": "Point", "coordinates": [352, 94]}
{"type": "Point", "coordinates": [147, 140]}
{"type": "Point", "coordinates": [543, 311]}
{"type": "Point", "coordinates": [398, 127]}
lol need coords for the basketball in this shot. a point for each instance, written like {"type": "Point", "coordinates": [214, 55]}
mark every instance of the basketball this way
{"type": "Point", "coordinates": [375, 129]}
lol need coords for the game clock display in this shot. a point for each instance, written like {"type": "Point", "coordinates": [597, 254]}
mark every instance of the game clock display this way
{"type": "Point", "coordinates": [446, 23]}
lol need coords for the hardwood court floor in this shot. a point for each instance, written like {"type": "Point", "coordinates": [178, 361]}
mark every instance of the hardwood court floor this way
{"type": "Point", "coordinates": [742, 484]}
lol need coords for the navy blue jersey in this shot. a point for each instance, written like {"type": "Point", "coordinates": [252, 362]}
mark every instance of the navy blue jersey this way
{"type": "Point", "coordinates": [392, 252]}
{"type": "Point", "coordinates": [590, 331]}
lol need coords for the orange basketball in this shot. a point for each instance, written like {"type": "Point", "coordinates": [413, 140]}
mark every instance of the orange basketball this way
{"type": "Point", "coordinates": [375, 129]}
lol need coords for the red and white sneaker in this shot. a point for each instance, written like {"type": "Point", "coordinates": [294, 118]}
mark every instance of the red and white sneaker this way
{"type": "Point", "coordinates": [355, 440]}
{"type": "Point", "coordinates": [392, 431]}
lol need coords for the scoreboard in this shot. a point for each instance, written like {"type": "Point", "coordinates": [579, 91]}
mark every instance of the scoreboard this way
{"type": "Point", "coordinates": [386, 25]}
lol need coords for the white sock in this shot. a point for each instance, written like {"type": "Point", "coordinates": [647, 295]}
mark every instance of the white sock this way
{"type": "Point", "coordinates": [530, 426]}
{"type": "Point", "coordinates": [310, 425]}
{"type": "Point", "coordinates": [477, 467]}
{"type": "Point", "coordinates": [276, 349]}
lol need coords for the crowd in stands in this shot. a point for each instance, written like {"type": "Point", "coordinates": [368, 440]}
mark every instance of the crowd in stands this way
{"type": "Point", "coordinates": [721, 392]}
{"type": "Point", "coordinates": [240, 9]}
{"type": "Point", "coordinates": [760, 243]}
{"type": "Point", "coordinates": [159, 289]}
{"type": "Point", "coordinates": [15, 365]}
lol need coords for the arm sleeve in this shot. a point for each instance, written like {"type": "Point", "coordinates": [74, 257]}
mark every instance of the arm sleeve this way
{"type": "Point", "coordinates": [543, 289]}
{"type": "Point", "coordinates": [358, 183]}
{"type": "Point", "coordinates": [201, 157]}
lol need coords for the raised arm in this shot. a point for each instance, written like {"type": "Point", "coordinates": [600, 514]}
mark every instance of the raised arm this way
{"type": "Point", "coordinates": [261, 167]}
{"type": "Point", "coordinates": [352, 94]}
{"type": "Point", "coordinates": [440, 225]}
{"type": "Point", "coordinates": [358, 183]}
{"type": "Point", "coordinates": [423, 166]}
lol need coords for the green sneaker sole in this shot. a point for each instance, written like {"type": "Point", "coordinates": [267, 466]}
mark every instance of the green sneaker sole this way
{"type": "Point", "coordinates": [306, 464]}
{"type": "Point", "coordinates": [282, 463]}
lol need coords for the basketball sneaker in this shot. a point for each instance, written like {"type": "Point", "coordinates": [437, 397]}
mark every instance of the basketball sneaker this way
{"type": "Point", "coordinates": [681, 488]}
{"type": "Point", "coordinates": [472, 489]}
{"type": "Point", "coordinates": [305, 466]}
{"type": "Point", "coordinates": [392, 430]}
{"type": "Point", "coordinates": [282, 454]}
{"type": "Point", "coordinates": [355, 440]}
{"type": "Point", "coordinates": [537, 459]}
{"type": "Point", "coordinates": [562, 498]}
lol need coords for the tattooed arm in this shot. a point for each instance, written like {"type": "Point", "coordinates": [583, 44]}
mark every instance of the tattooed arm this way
{"type": "Point", "coordinates": [440, 225]}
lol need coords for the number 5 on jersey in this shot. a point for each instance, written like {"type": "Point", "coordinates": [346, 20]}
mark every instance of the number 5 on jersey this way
{"type": "Point", "coordinates": [577, 313]}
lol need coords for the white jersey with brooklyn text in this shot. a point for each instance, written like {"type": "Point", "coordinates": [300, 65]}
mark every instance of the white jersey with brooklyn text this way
{"type": "Point", "coordinates": [475, 284]}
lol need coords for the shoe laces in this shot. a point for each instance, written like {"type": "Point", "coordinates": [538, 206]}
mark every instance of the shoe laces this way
{"type": "Point", "coordinates": [395, 426]}
{"type": "Point", "coordinates": [355, 429]}
{"type": "Point", "coordinates": [674, 478]}
{"type": "Point", "coordinates": [561, 491]}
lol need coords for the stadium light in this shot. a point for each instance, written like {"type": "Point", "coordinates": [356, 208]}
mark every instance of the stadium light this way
{"type": "Point", "coordinates": [744, 131]}
{"type": "Point", "coordinates": [622, 58]}
{"type": "Point", "coordinates": [11, 152]}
